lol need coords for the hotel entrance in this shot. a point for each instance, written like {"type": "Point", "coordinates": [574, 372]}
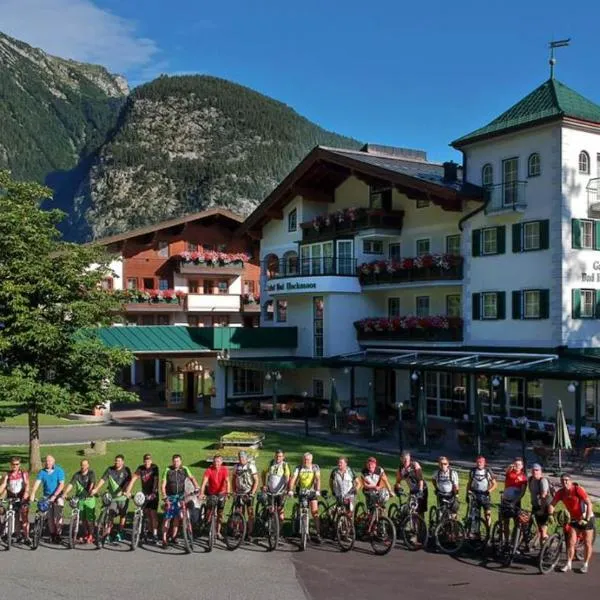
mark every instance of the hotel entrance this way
{"type": "Point", "coordinates": [191, 386]}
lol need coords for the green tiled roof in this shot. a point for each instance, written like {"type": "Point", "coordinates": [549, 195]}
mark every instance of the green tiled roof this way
{"type": "Point", "coordinates": [550, 100]}
{"type": "Point", "coordinates": [170, 339]}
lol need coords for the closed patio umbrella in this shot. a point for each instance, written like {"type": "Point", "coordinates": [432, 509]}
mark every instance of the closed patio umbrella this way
{"type": "Point", "coordinates": [479, 424]}
{"type": "Point", "coordinates": [561, 440]}
{"type": "Point", "coordinates": [422, 417]}
{"type": "Point", "coordinates": [335, 405]}
{"type": "Point", "coordinates": [371, 408]}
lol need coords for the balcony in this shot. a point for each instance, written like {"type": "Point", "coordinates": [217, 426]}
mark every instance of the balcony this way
{"type": "Point", "coordinates": [152, 300]}
{"type": "Point", "coordinates": [410, 329]}
{"type": "Point", "coordinates": [250, 303]}
{"type": "Point", "coordinates": [349, 221]}
{"type": "Point", "coordinates": [213, 302]}
{"type": "Point", "coordinates": [593, 198]}
{"type": "Point", "coordinates": [431, 267]}
{"type": "Point", "coordinates": [505, 197]}
{"type": "Point", "coordinates": [212, 263]}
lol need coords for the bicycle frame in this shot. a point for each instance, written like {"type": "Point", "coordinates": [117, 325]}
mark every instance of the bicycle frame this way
{"type": "Point", "coordinates": [7, 521]}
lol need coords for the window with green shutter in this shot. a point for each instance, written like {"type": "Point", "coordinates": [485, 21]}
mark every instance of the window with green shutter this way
{"type": "Point", "coordinates": [530, 304]}
{"type": "Point", "coordinates": [531, 235]}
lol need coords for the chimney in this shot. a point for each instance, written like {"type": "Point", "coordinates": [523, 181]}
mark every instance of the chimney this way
{"type": "Point", "coordinates": [450, 172]}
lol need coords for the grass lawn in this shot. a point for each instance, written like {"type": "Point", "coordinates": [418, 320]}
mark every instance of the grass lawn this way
{"type": "Point", "coordinates": [194, 447]}
{"type": "Point", "coordinates": [20, 419]}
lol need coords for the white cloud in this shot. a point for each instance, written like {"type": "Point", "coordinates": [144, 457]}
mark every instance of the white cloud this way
{"type": "Point", "coordinates": [79, 30]}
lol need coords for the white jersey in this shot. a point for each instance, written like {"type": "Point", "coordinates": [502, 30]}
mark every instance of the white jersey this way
{"type": "Point", "coordinates": [342, 483]}
{"type": "Point", "coordinates": [446, 481]}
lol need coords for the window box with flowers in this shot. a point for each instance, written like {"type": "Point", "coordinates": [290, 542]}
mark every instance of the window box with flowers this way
{"type": "Point", "coordinates": [429, 267]}
{"type": "Point", "coordinates": [434, 328]}
{"type": "Point", "coordinates": [153, 296]}
{"type": "Point", "coordinates": [250, 299]}
{"type": "Point", "coordinates": [213, 258]}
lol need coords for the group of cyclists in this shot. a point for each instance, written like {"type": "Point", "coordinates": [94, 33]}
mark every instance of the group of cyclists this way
{"type": "Point", "coordinates": [279, 481]}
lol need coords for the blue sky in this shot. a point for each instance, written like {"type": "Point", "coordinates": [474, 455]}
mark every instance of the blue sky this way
{"type": "Point", "coordinates": [409, 74]}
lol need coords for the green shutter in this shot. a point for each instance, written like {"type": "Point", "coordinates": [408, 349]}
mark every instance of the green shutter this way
{"type": "Point", "coordinates": [516, 237]}
{"type": "Point", "coordinates": [476, 242]}
{"type": "Point", "coordinates": [597, 313]}
{"type": "Point", "coordinates": [516, 305]}
{"type": "Point", "coordinates": [544, 234]}
{"type": "Point", "coordinates": [576, 234]}
{"type": "Point", "coordinates": [597, 235]}
{"type": "Point", "coordinates": [576, 304]}
{"type": "Point", "coordinates": [501, 239]}
{"type": "Point", "coordinates": [476, 308]}
{"type": "Point", "coordinates": [501, 300]}
{"type": "Point", "coordinates": [544, 304]}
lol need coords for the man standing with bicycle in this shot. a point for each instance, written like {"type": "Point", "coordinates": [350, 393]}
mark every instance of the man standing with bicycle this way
{"type": "Point", "coordinates": [515, 486]}
{"type": "Point", "coordinates": [307, 480]}
{"type": "Point", "coordinates": [16, 485]}
{"type": "Point", "coordinates": [276, 478]}
{"type": "Point", "coordinates": [411, 472]}
{"type": "Point", "coordinates": [581, 512]}
{"type": "Point", "coordinates": [445, 484]}
{"type": "Point", "coordinates": [52, 480]}
{"type": "Point", "coordinates": [481, 484]}
{"type": "Point", "coordinates": [216, 483]}
{"type": "Point", "coordinates": [148, 475]}
{"type": "Point", "coordinates": [539, 491]}
{"type": "Point", "coordinates": [83, 483]}
{"type": "Point", "coordinates": [343, 483]}
{"type": "Point", "coordinates": [373, 481]}
{"type": "Point", "coordinates": [245, 482]}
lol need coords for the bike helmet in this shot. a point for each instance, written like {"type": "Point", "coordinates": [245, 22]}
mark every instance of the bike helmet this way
{"type": "Point", "coordinates": [43, 506]}
{"type": "Point", "coordinates": [139, 499]}
{"type": "Point", "coordinates": [74, 502]}
{"type": "Point", "coordinates": [106, 499]}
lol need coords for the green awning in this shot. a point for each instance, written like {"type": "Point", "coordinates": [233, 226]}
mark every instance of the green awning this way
{"type": "Point", "coordinates": [174, 339]}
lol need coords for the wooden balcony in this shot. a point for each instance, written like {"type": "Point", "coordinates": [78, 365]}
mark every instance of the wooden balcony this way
{"type": "Point", "coordinates": [398, 272]}
{"type": "Point", "coordinates": [211, 269]}
{"type": "Point", "coordinates": [410, 329]}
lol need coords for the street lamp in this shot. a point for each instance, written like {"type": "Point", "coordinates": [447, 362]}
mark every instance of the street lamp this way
{"type": "Point", "coordinates": [399, 406]}
{"type": "Point", "coordinates": [414, 376]}
{"type": "Point", "coordinates": [572, 387]}
{"type": "Point", "coordinates": [523, 421]}
{"type": "Point", "coordinates": [274, 376]}
{"type": "Point", "coordinates": [496, 381]}
{"type": "Point", "coordinates": [305, 396]}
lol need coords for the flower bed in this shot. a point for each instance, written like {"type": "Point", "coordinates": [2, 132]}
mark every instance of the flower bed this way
{"type": "Point", "coordinates": [230, 454]}
{"type": "Point", "coordinates": [212, 258]}
{"type": "Point", "coordinates": [437, 327]}
{"type": "Point", "coordinates": [242, 438]}
{"type": "Point", "coordinates": [420, 268]}
{"type": "Point", "coordinates": [153, 296]}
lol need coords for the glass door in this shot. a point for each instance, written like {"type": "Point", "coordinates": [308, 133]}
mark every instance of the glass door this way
{"type": "Point", "coordinates": [510, 175]}
{"type": "Point", "coordinates": [328, 258]}
{"type": "Point", "coordinates": [305, 260]}
{"type": "Point", "coordinates": [344, 257]}
{"type": "Point", "coordinates": [315, 260]}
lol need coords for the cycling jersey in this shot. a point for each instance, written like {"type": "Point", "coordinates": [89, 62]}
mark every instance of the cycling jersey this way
{"type": "Point", "coordinates": [513, 485]}
{"type": "Point", "coordinates": [277, 476]}
{"type": "Point", "coordinates": [216, 480]}
{"type": "Point", "coordinates": [16, 483]}
{"type": "Point", "coordinates": [117, 480]}
{"type": "Point", "coordinates": [575, 501]}
{"type": "Point", "coordinates": [148, 478]}
{"type": "Point", "coordinates": [342, 484]}
{"type": "Point", "coordinates": [481, 480]}
{"type": "Point", "coordinates": [51, 479]}
{"type": "Point", "coordinates": [83, 484]}
{"type": "Point", "coordinates": [446, 481]}
{"type": "Point", "coordinates": [372, 479]}
{"type": "Point", "coordinates": [243, 476]}
{"type": "Point", "coordinates": [413, 476]}
{"type": "Point", "coordinates": [174, 480]}
{"type": "Point", "coordinates": [306, 477]}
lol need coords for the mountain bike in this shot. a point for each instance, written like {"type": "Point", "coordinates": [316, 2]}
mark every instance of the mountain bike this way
{"type": "Point", "coordinates": [337, 520]}
{"type": "Point", "coordinates": [555, 548]}
{"type": "Point", "coordinates": [266, 523]}
{"type": "Point", "coordinates": [40, 520]}
{"type": "Point", "coordinates": [236, 526]}
{"type": "Point", "coordinates": [477, 530]}
{"type": "Point", "coordinates": [408, 522]}
{"type": "Point", "coordinates": [208, 519]}
{"type": "Point", "coordinates": [7, 521]}
{"type": "Point", "coordinates": [448, 531]}
{"type": "Point", "coordinates": [301, 516]}
{"type": "Point", "coordinates": [74, 524]}
{"type": "Point", "coordinates": [176, 507]}
{"type": "Point", "coordinates": [104, 521]}
{"type": "Point", "coordinates": [139, 526]}
{"type": "Point", "coordinates": [520, 539]}
{"type": "Point", "coordinates": [372, 524]}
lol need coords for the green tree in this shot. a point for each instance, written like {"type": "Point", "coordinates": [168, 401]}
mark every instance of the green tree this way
{"type": "Point", "coordinates": [51, 302]}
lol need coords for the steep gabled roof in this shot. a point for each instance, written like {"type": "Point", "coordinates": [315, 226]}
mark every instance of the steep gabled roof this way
{"type": "Point", "coordinates": [551, 100]}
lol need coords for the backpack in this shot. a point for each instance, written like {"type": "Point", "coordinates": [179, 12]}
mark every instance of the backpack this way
{"type": "Point", "coordinates": [552, 489]}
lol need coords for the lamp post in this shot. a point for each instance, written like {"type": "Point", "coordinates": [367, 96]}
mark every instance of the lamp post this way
{"type": "Point", "coordinates": [274, 376]}
{"type": "Point", "coordinates": [399, 406]}
{"type": "Point", "coordinates": [573, 388]}
{"type": "Point", "coordinates": [305, 396]}
{"type": "Point", "coordinates": [523, 423]}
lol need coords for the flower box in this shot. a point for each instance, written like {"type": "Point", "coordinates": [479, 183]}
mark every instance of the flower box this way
{"type": "Point", "coordinates": [242, 438]}
{"type": "Point", "coordinates": [152, 296]}
{"type": "Point", "coordinates": [213, 258]}
{"type": "Point", "coordinates": [434, 328]}
{"type": "Point", "coordinates": [430, 267]}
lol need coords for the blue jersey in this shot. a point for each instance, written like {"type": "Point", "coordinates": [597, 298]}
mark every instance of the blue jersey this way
{"type": "Point", "coordinates": [51, 479]}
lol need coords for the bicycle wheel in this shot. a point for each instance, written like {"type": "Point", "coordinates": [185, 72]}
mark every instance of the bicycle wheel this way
{"type": "Point", "coordinates": [36, 537]}
{"type": "Point", "coordinates": [295, 520]}
{"type": "Point", "coordinates": [10, 529]}
{"type": "Point", "coordinates": [550, 553]}
{"type": "Point", "coordinates": [272, 524]}
{"type": "Point", "coordinates": [497, 540]}
{"type": "Point", "coordinates": [477, 534]}
{"type": "Point", "coordinates": [434, 517]}
{"type": "Point", "coordinates": [383, 537]}
{"type": "Point", "coordinates": [212, 529]}
{"type": "Point", "coordinates": [345, 533]}
{"type": "Point", "coordinates": [186, 530]}
{"type": "Point", "coordinates": [73, 528]}
{"type": "Point", "coordinates": [360, 518]}
{"type": "Point", "coordinates": [449, 536]}
{"type": "Point", "coordinates": [303, 531]}
{"type": "Point", "coordinates": [136, 529]}
{"type": "Point", "coordinates": [235, 530]}
{"type": "Point", "coordinates": [393, 511]}
{"type": "Point", "coordinates": [101, 528]}
{"type": "Point", "coordinates": [515, 542]}
{"type": "Point", "coordinates": [414, 531]}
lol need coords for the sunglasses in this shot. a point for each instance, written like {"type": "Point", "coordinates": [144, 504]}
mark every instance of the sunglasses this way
{"type": "Point", "coordinates": [444, 464]}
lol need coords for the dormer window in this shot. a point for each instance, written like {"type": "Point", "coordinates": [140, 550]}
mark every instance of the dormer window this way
{"type": "Point", "coordinates": [534, 165]}
{"type": "Point", "coordinates": [487, 175]}
{"type": "Point", "coordinates": [584, 162]}
{"type": "Point", "coordinates": [380, 197]}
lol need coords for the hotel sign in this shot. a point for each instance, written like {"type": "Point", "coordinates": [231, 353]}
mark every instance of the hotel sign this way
{"type": "Point", "coordinates": [322, 284]}
{"type": "Point", "coordinates": [592, 277]}
{"type": "Point", "coordinates": [291, 286]}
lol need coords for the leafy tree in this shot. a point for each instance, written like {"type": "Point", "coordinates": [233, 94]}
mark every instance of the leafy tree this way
{"type": "Point", "coordinates": [50, 303]}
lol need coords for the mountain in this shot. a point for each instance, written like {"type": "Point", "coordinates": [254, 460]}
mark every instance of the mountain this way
{"type": "Point", "coordinates": [118, 160]}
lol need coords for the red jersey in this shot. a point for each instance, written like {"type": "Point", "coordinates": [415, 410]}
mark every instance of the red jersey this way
{"type": "Point", "coordinates": [515, 480]}
{"type": "Point", "coordinates": [575, 501]}
{"type": "Point", "coordinates": [216, 480]}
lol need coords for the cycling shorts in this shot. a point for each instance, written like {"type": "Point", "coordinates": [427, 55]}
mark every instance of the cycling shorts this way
{"type": "Point", "coordinates": [483, 500]}
{"type": "Point", "coordinates": [119, 508]}
{"type": "Point", "coordinates": [589, 526]}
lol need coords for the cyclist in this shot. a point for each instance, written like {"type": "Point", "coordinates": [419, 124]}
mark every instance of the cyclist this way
{"type": "Point", "coordinates": [411, 472]}
{"type": "Point", "coordinates": [373, 480]}
{"type": "Point", "coordinates": [15, 483]}
{"type": "Point", "coordinates": [245, 481]}
{"type": "Point", "coordinates": [307, 480]}
{"type": "Point", "coordinates": [83, 483]}
{"type": "Point", "coordinates": [581, 512]}
{"type": "Point", "coordinates": [117, 479]}
{"type": "Point", "coordinates": [343, 483]}
{"type": "Point", "coordinates": [148, 475]}
{"type": "Point", "coordinates": [539, 490]}
{"type": "Point", "coordinates": [482, 483]}
{"type": "Point", "coordinates": [216, 483]}
{"type": "Point", "coordinates": [276, 478]}
{"type": "Point", "coordinates": [515, 486]}
{"type": "Point", "coordinates": [52, 480]}
{"type": "Point", "coordinates": [173, 484]}
{"type": "Point", "coordinates": [445, 484]}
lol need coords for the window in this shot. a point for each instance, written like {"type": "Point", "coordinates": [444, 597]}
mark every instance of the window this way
{"type": "Point", "coordinates": [194, 286]}
{"type": "Point", "coordinates": [584, 162]}
{"type": "Point", "coordinates": [422, 202]}
{"type": "Point", "coordinates": [318, 390]}
{"type": "Point", "coordinates": [585, 303]}
{"type": "Point", "coordinates": [281, 311]}
{"type": "Point", "coordinates": [394, 251]}
{"type": "Point", "coordinates": [531, 304]}
{"type": "Point", "coordinates": [147, 320]}
{"type": "Point", "coordinates": [193, 321]}
{"type": "Point", "coordinates": [531, 235]}
{"type": "Point", "coordinates": [487, 175]}
{"type": "Point", "coordinates": [246, 381]}
{"type": "Point", "coordinates": [148, 283]}
{"type": "Point", "coordinates": [490, 305]}
{"type": "Point", "coordinates": [292, 220]}
{"type": "Point", "coordinates": [423, 246]}
{"type": "Point", "coordinates": [162, 320]}
{"type": "Point", "coordinates": [163, 284]}
{"type": "Point", "coordinates": [533, 399]}
{"type": "Point", "coordinates": [209, 286]}
{"type": "Point", "coordinates": [268, 310]}
{"type": "Point", "coordinates": [163, 249]}
{"type": "Point", "coordinates": [534, 165]}
{"type": "Point", "coordinates": [453, 244]}
{"type": "Point", "coordinates": [223, 287]}
{"type": "Point", "coordinates": [290, 263]}
{"type": "Point", "coordinates": [192, 247]}
{"type": "Point", "coordinates": [132, 283]}
{"type": "Point", "coordinates": [220, 321]}
{"type": "Point", "coordinates": [490, 241]}
{"type": "Point", "coordinates": [380, 197]}
{"type": "Point", "coordinates": [590, 398]}
{"type": "Point", "coordinates": [422, 305]}
{"type": "Point", "coordinates": [516, 395]}
{"type": "Point", "coordinates": [510, 177]}
{"type": "Point", "coordinates": [372, 247]}
{"type": "Point", "coordinates": [453, 305]}
{"type": "Point", "coordinates": [393, 307]}
{"type": "Point", "coordinates": [318, 326]}
{"type": "Point", "coordinates": [587, 234]}
{"type": "Point", "coordinates": [131, 321]}
{"type": "Point", "coordinates": [446, 394]}
{"type": "Point", "coordinates": [315, 259]}
{"type": "Point", "coordinates": [107, 284]}
{"type": "Point", "coordinates": [534, 235]}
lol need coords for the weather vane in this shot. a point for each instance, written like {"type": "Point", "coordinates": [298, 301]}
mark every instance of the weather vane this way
{"type": "Point", "coordinates": [552, 45]}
